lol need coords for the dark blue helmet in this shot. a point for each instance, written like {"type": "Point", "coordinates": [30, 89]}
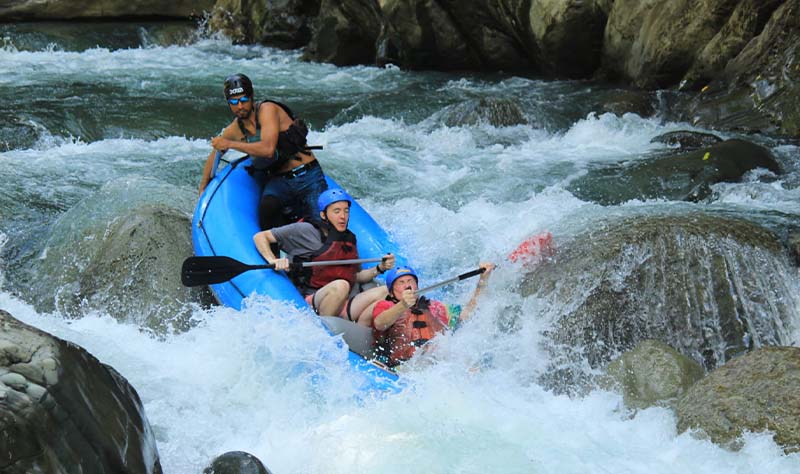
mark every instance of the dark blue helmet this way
{"type": "Point", "coordinates": [238, 84]}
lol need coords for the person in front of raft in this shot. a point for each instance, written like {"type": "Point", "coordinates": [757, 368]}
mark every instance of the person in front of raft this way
{"type": "Point", "coordinates": [404, 321]}
{"type": "Point", "coordinates": [270, 133]}
{"type": "Point", "coordinates": [326, 288]}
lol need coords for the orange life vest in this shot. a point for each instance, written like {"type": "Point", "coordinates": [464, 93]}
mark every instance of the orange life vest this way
{"type": "Point", "coordinates": [412, 329]}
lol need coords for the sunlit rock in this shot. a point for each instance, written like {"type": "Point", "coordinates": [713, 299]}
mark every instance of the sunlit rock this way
{"type": "Point", "coordinates": [61, 410]}
{"type": "Point", "coordinates": [686, 176]}
{"type": "Point", "coordinates": [713, 288]}
{"type": "Point", "coordinates": [236, 462]}
{"type": "Point", "coordinates": [651, 374]}
{"type": "Point", "coordinates": [756, 392]}
{"type": "Point", "coordinates": [758, 90]}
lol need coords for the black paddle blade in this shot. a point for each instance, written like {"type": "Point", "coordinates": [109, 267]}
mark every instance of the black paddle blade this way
{"type": "Point", "coordinates": [198, 271]}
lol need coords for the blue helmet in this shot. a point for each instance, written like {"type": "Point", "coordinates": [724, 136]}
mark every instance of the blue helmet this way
{"type": "Point", "coordinates": [331, 196]}
{"type": "Point", "coordinates": [398, 272]}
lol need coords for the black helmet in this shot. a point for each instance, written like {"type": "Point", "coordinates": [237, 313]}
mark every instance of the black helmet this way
{"type": "Point", "coordinates": [238, 84]}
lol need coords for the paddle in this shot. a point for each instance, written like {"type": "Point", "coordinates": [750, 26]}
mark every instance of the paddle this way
{"type": "Point", "coordinates": [198, 271]}
{"type": "Point", "coordinates": [463, 276]}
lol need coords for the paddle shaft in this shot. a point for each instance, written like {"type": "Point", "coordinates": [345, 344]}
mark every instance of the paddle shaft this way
{"type": "Point", "coordinates": [463, 276]}
{"type": "Point", "coordinates": [210, 270]}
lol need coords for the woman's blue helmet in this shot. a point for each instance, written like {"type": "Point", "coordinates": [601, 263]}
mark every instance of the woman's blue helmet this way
{"type": "Point", "coordinates": [331, 196]}
{"type": "Point", "coordinates": [398, 272]}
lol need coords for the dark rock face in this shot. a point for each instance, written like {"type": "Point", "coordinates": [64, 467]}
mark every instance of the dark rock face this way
{"type": "Point", "coordinates": [236, 462]}
{"type": "Point", "coordinates": [684, 177]}
{"type": "Point", "coordinates": [61, 410]}
{"type": "Point", "coordinates": [345, 32]}
{"type": "Point", "coordinates": [712, 288]}
{"type": "Point", "coordinates": [755, 392]}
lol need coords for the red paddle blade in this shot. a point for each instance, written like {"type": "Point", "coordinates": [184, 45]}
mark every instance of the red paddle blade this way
{"type": "Point", "coordinates": [534, 249]}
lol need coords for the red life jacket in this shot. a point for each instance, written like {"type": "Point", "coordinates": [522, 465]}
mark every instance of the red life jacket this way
{"type": "Point", "coordinates": [337, 246]}
{"type": "Point", "coordinates": [416, 326]}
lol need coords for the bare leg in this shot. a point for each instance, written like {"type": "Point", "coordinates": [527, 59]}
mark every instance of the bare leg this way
{"type": "Point", "coordinates": [362, 305]}
{"type": "Point", "coordinates": [330, 299]}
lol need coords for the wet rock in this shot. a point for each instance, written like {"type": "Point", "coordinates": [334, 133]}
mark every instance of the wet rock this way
{"type": "Point", "coordinates": [651, 374]}
{"type": "Point", "coordinates": [756, 392]}
{"type": "Point", "coordinates": [236, 462]}
{"type": "Point", "coordinates": [128, 268]}
{"type": "Point", "coordinates": [712, 288]}
{"type": "Point", "coordinates": [495, 112]}
{"type": "Point", "coordinates": [136, 271]}
{"type": "Point", "coordinates": [687, 177]}
{"type": "Point", "coordinates": [61, 410]}
{"type": "Point", "coordinates": [687, 140]}
{"type": "Point", "coordinates": [18, 134]}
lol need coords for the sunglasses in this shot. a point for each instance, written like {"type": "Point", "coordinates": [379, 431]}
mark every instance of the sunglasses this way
{"type": "Point", "coordinates": [243, 100]}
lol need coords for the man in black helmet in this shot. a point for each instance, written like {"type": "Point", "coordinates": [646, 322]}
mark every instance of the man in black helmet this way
{"type": "Point", "coordinates": [270, 133]}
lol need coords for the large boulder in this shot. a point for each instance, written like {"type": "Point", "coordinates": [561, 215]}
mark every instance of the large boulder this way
{"type": "Point", "coordinates": [757, 392]}
{"type": "Point", "coordinates": [687, 176]}
{"type": "Point", "coordinates": [61, 410]}
{"type": "Point", "coordinates": [127, 266]}
{"type": "Point", "coordinates": [713, 288]}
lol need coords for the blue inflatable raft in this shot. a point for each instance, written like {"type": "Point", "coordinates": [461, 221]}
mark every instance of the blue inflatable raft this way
{"type": "Point", "coordinates": [224, 223]}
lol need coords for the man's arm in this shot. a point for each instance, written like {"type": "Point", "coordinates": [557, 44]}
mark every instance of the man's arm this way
{"type": "Point", "coordinates": [231, 132]}
{"type": "Point", "coordinates": [270, 120]}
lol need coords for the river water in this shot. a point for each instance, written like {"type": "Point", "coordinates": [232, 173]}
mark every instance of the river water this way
{"type": "Point", "coordinates": [88, 108]}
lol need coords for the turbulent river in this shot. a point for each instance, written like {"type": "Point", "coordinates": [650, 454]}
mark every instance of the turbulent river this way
{"type": "Point", "coordinates": [91, 111]}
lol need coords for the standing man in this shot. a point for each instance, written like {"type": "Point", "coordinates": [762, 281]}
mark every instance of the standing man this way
{"type": "Point", "coordinates": [326, 288]}
{"type": "Point", "coordinates": [405, 321]}
{"type": "Point", "coordinates": [270, 133]}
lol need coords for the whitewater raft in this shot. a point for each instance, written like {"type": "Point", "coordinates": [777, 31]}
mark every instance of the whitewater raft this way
{"type": "Point", "coordinates": [224, 222]}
